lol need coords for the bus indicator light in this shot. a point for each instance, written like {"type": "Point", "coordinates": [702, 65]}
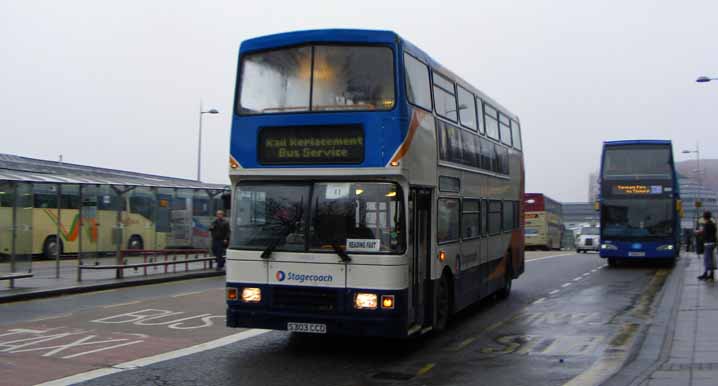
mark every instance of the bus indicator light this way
{"type": "Point", "coordinates": [231, 294]}
{"type": "Point", "coordinates": [387, 302]}
{"type": "Point", "coordinates": [442, 256]}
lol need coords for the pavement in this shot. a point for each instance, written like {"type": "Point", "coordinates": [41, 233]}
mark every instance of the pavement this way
{"type": "Point", "coordinates": [47, 282]}
{"type": "Point", "coordinates": [688, 352]}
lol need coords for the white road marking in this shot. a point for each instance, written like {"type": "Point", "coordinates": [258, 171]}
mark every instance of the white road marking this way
{"type": "Point", "coordinates": [586, 274]}
{"type": "Point", "coordinates": [554, 292]}
{"type": "Point", "coordinates": [138, 363]}
{"type": "Point", "coordinates": [565, 285]}
{"type": "Point", "coordinates": [51, 317]}
{"type": "Point", "coordinates": [539, 300]}
{"type": "Point", "coordinates": [550, 257]}
{"type": "Point", "coordinates": [578, 278]}
{"type": "Point", "coordinates": [187, 294]}
{"type": "Point", "coordinates": [121, 304]}
{"type": "Point", "coordinates": [594, 270]}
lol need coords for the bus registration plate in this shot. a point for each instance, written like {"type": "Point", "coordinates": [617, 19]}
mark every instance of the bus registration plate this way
{"type": "Point", "coordinates": [636, 254]}
{"type": "Point", "coordinates": [312, 328]}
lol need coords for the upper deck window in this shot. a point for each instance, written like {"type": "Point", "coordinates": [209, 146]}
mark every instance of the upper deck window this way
{"type": "Point", "coordinates": [642, 160]}
{"type": "Point", "coordinates": [418, 89]}
{"type": "Point", "coordinates": [491, 117]}
{"type": "Point", "coordinates": [444, 97]}
{"type": "Point", "coordinates": [467, 109]}
{"type": "Point", "coordinates": [516, 134]}
{"type": "Point", "coordinates": [319, 78]}
{"type": "Point", "coordinates": [505, 129]}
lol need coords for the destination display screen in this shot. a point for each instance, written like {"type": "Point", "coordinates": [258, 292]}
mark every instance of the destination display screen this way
{"type": "Point", "coordinates": [311, 145]}
{"type": "Point", "coordinates": [636, 189]}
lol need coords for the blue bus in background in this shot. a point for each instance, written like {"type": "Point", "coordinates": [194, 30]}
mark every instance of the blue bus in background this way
{"type": "Point", "coordinates": [639, 202]}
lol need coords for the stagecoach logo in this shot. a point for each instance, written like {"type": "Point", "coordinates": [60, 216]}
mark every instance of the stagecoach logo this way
{"type": "Point", "coordinates": [301, 277]}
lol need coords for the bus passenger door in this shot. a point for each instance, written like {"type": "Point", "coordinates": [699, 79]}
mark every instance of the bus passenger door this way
{"type": "Point", "coordinates": [420, 206]}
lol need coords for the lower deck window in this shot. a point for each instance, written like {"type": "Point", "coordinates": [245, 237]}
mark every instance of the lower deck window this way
{"type": "Point", "coordinates": [448, 220]}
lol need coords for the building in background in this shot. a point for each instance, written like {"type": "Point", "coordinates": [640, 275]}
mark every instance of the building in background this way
{"type": "Point", "coordinates": [594, 188]}
{"type": "Point", "coordinates": [576, 215]}
{"type": "Point", "coordinates": [692, 191]}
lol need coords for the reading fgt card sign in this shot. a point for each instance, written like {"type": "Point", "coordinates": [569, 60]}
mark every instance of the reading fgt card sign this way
{"type": "Point", "coordinates": [363, 245]}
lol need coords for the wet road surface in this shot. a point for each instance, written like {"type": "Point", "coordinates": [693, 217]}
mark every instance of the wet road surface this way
{"type": "Point", "coordinates": [569, 318]}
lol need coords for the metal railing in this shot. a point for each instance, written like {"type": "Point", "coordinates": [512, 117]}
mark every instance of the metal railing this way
{"type": "Point", "coordinates": [154, 258]}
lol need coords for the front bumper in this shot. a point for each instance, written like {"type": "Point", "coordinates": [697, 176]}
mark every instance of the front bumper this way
{"type": "Point", "coordinates": [332, 307]}
{"type": "Point", "coordinates": [638, 251]}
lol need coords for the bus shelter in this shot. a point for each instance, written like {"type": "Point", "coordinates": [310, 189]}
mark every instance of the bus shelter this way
{"type": "Point", "coordinates": [51, 211]}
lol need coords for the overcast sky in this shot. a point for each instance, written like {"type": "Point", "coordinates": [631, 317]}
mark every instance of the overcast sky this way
{"type": "Point", "coordinates": [119, 84]}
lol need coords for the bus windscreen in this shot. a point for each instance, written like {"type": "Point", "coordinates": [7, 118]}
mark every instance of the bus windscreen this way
{"type": "Point", "coordinates": [317, 78]}
{"type": "Point", "coordinates": [637, 160]}
{"type": "Point", "coordinates": [631, 218]}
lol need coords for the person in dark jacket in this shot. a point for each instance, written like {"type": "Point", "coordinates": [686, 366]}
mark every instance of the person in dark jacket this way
{"type": "Point", "coordinates": [709, 243]}
{"type": "Point", "coordinates": [219, 228]}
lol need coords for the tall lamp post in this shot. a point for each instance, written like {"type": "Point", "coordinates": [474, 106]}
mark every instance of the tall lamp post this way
{"type": "Point", "coordinates": [699, 174]}
{"type": "Point", "coordinates": [202, 112]}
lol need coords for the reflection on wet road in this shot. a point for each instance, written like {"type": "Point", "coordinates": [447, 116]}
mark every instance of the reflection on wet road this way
{"type": "Point", "coordinates": [569, 319]}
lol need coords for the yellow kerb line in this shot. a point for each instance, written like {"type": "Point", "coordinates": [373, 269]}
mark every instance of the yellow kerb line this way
{"type": "Point", "coordinates": [425, 369]}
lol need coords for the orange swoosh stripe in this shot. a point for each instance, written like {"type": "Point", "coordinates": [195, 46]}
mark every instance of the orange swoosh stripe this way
{"type": "Point", "coordinates": [416, 118]}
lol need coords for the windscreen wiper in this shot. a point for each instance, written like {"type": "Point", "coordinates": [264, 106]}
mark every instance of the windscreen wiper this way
{"type": "Point", "coordinates": [267, 253]}
{"type": "Point", "coordinates": [342, 254]}
{"type": "Point", "coordinates": [286, 231]}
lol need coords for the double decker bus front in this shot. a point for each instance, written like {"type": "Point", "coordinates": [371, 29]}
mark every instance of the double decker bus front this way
{"type": "Point", "coordinates": [318, 223]}
{"type": "Point", "coordinates": [639, 202]}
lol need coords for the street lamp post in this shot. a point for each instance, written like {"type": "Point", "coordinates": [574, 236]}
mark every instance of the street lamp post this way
{"type": "Point", "coordinates": [699, 175]}
{"type": "Point", "coordinates": [199, 141]}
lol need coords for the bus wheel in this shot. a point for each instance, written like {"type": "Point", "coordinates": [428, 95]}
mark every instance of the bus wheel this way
{"type": "Point", "coordinates": [612, 262]}
{"type": "Point", "coordinates": [443, 303]}
{"type": "Point", "coordinates": [49, 248]}
{"type": "Point", "coordinates": [135, 242]}
{"type": "Point", "coordinates": [505, 291]}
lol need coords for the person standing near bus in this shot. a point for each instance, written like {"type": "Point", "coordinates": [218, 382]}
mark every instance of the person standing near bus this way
{"type": "Point", "coordinates": [220, 238]}
{"type": "Point", "coordinates": [709, 243]}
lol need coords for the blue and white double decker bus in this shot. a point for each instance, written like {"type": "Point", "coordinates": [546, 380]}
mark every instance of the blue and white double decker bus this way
{"type": "Point", "coordinates": [375, 191]}
{"type": "Point", "coordinates": [639, 202]}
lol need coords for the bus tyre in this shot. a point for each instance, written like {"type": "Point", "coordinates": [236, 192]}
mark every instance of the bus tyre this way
{"type": "Point", "coordinates": [505, 290]}
{"type": "Point", "coordinates": [612, 262]}
{"type": "Point", "coordinates": [443, 303]}
{"type": "Point", "coordinates": [135, 242]}
{"type": "Point", "coordinates": [49, 248]}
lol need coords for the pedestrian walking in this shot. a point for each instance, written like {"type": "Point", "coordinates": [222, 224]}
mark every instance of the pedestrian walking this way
{"type": "Point", "coordinates": [219, 228]}
{"type": "Point", "coordinates": [708, 233]}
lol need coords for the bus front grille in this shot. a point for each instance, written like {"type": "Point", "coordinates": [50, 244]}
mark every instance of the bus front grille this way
{"type": "Point", "coordinates": [304, 299]}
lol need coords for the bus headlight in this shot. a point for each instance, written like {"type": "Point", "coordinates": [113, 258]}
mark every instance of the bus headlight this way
{"type": "Point", "coordinates": [667, 247]}
{"type": "Point", "coordinates": [609, 247]}
{"type": "Point", "coordinates": [251, 295]}
{"type": "Point", "coordinates": [365, 301]}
